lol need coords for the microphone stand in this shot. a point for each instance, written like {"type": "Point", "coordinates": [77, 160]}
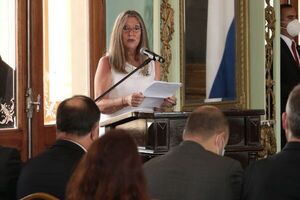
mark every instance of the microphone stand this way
{"type": "Point", "coordinates": [123, 79]}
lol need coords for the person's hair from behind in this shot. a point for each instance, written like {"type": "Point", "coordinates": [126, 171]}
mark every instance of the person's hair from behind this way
{"type": "Point", "coordinates": [77, 115]}
{"type": "Point", "coordinates": [293, 112]}
{"type": "Point", "coordinates": [206, 121]}
{"type": "Point", "coordinates": [112, 169]}
{"type": "Point", "coordinates": [284, 6]}
{"type": "Point", "coordinates": [116, 48]}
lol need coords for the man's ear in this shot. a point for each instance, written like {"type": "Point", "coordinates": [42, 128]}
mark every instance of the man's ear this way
{"type": "Point", "coordinates": [285, 125]}
{"type": "Point", "coordinates": [222, 136]}
{"type": "Point", "coordinates": [218, 138]}
{"type": "Point", "coordinates": [284, 121]}
{"type": "Point", "coordinates": [95, 132]}
{"type": "Point", "coordinates": [184, 135]}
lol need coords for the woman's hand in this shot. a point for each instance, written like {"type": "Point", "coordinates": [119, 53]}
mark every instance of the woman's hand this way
{"type": "Point", "coordinates": [134, 99]}
{"type": "Point", "coordinates": [169, 102]}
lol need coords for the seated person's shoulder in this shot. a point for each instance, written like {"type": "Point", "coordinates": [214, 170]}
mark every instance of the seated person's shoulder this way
{"type": "Point", "coordinates": [10, 167]}
{"type": "Point", "coordinates": [152, 161]}
{"type": "Point", "coordinates": [262, 164]}
{"type": "Point", "coordinates": [230, 163]}
{"type": "Point", "coordinates": [9, 153]}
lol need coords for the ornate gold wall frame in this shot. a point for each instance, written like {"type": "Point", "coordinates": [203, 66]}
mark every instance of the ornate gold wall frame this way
{"type": "Point", "coordinates": [166, 32]}
{"type": "Point", "coordinates": [242, 63]}
{"type": "Point", "coordinates": [267, 137]}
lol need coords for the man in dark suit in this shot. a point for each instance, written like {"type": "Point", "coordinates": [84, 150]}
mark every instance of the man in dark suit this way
{"type": "Point", "coordinates": [289, 66]}
{"type": "Point", "coordinates": [277, 177]}
{"type": "Point", "coordinates": [7, 88]}
{"type": "Point", "coordinates": [10, 167]}
{"type": "Point", "coordinates": [196, 169]}
{"type": "Point", "coordinates": [77, 124]}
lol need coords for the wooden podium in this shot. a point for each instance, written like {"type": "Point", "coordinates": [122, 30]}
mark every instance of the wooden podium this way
{"type": "Point", "coordinates": [156, 133]}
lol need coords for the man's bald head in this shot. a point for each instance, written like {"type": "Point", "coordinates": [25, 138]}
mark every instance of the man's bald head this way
{"type": "Point", "coordinates": [293, 112]}
{"type": "Point", "coordinates": [77, 115]}
{"type": "Point", "coordinates": [206, 121]}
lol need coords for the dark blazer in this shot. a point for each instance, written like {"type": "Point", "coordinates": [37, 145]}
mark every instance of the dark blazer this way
{"type": "Point", "coordinates": [50, 171]}
{"type": "Point", "coordinates": [275, 178]}
{"type": "Point", "coordinates": [289, 78]}
{"type": "Point", "coordinates": [6, 91]}
{"type": "Point", "coordinates": [10, 167]}
{"type": "Point", "coordinates": [6, 80]}
{"type": "Point", "coordinates": [189, 172]}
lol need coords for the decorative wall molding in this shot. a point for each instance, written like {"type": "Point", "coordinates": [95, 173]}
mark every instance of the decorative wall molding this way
{"type": "Point", "coordinates": [166, 32]}
{"type": "Point", "coordinates": [7, 112]}
{"type": "Point", "coordinates": [268, 141]}
{"type": "Point", "coordinates": [242, 54]}
{"type": "Point", "coordinates": [268, 134]}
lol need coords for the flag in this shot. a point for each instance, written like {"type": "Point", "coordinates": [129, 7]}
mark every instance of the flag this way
{"type": "Point", "coordinates": [220, 50]}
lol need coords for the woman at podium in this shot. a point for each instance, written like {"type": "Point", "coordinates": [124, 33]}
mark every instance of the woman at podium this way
{"type": "Point", "coordinates": [128, 36]}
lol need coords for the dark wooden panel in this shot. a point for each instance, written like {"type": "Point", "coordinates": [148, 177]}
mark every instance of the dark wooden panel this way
{"type": "Point", "coordinates": [195, 81]}
{"type": "Point", "coordinates": [163, 131]}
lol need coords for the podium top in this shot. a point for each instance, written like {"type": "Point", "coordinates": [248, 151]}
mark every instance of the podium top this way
{"type": "Point", "coordinates": [177, 114]}
{"type": "Point", "coordinates": [143, 115]}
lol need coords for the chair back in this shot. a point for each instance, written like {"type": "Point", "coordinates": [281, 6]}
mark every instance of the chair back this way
{"type": "Point", "coordinates": [39, 196]}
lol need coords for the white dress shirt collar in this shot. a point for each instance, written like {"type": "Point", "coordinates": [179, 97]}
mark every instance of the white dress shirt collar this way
{"type": "Point", "coordinates": [85, 150]}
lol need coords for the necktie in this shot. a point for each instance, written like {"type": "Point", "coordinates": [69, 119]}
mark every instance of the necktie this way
{"type": "Point", "coordinates": [295, 53]}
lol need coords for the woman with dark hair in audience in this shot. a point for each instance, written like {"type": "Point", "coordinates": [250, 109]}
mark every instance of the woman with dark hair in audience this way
{"type": "Point", "coordinates": [111, 170]}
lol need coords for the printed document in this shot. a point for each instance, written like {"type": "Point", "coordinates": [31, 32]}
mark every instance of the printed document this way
{"type": "Point", "coordinates": [157, 92]}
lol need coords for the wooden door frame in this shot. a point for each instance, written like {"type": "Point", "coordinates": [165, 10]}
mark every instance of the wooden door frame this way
{"type": "Point", "coordinates": [36, 64]}
{"type": "Point", "coordinates": [97, 34]}
{"type": "Point", "coordinates": [44, 136]}
{"type": "Point", "coordinates": [17, 138]}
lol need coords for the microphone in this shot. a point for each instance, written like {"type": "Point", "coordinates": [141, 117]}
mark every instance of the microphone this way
{"type": "Point", "coordinates": [152, 55]}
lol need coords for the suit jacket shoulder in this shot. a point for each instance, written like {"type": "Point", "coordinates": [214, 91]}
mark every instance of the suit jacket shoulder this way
{"type": "Point", "coordinates": [264, 179]}
{"type": "Point", "coordinates": [10, 167]}
{"type": "Point", "coordinates": [190, 172]}
{"type": "Point", "coordinates": [50, 171]}
{"type": "Point", "coordinates": [6, 79]}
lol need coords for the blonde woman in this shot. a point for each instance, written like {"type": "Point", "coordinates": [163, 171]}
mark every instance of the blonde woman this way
{"type": "Point", "coordinates": [128, 36]}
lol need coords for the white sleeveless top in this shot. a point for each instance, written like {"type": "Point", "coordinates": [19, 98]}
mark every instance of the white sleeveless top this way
{"type": "Point", "coordinates": [137, 82]}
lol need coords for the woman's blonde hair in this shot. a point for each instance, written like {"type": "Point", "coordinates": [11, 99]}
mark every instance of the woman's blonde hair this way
{"type": "Point", "coordinates": [116, 52]}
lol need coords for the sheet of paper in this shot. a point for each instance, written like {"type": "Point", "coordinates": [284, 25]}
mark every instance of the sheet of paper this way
{"type": "Point", "coordinates": [151, 102]}
{"type": "Point", "coordinates": [157, 92]}
{"type": "Point", "coordinates": [161, 89]}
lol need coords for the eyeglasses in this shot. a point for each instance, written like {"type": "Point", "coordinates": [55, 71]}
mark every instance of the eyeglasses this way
{"type": "Point", "coordinates": [135, 29]}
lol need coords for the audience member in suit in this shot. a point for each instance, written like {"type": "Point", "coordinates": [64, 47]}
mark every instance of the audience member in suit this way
{"type": "Point", "coordinates": [6, 94]}
{"type": "Point", "coordinates": [6, 78]}
{"type": "Point", "coordinates": [196, 169]}
{"type": "Point", "coordinates": [277, 177]}
{"type": "Point", "coordinates": [77, 124]}
{"type": "Point", "coordinates": [290, 69]}
{"type": "Point", "coordinates": [111, 170]}
{"type": "Point", "coordinates": [10, 167]}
